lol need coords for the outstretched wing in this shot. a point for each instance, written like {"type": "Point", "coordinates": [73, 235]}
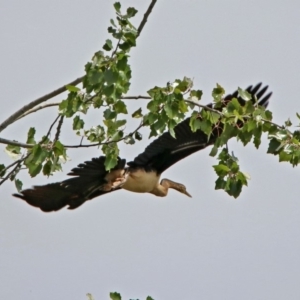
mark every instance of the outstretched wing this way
{"type": "Point", "coordinates": [166, 151]}
{"type": "Point", "coordinates": [90, 179]}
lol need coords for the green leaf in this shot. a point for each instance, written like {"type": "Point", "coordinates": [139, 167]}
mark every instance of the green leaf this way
{"type": "Point", "coordinates": [117, 135]}
{"type": "Point", "coordinates": [220, 184]}
{"type": "Point", "coordinates": [110, 162]}
{"type": "Point", "coordinates": [149, 298]}
{"type": "Point", "coordinates": [233, 106]}
{"type": "Point", "coordinates": [110, 76]}
{"type": "Point", "coordinates": [244, 94]}
{"type": "Point", "coordinates": [213, 117]}
{"type": "Point", "coordinates": [108, 90]}
{"type": "Point", "coordinates": [250, 125]}
{"type": "Point", "coordinates": [137, 114]}
{"type": "Point", "coordinates": [112, 22]}
{"type": "Point", "coordinates": [131, 12]}
{"type": "Point", "coordinates": [283, 156]}
{"type": "Point", "coordinates": [59, 149]}
{"type": "Point", "coordinates": [97, 102]}
{"type": "Point", "coordinates": [122, 64]}
{"type": "Point", "coordinates": [77, 123]}
{"type": "Point", "coordinates": [182, 106]}
{"type": "Point", "coordinates": [34, 161]}
{"type": "Point", "coordinates": [72, 88]}
{"type": "Point", "coordinates": [274, 146]}
{"type": "Point", "coordinates": [13, 149]}
{"type": "Point", "coordinates": [171, 109]}
{"type": "Point", "coordinates": [152, 106]}
{"type": "Point", "coordinates": [109, 114]}
{"type": "Point", "coordinates": [288, 123]}
{"type": "Point", "coordinates": [47, 168]}
{"type": "Point", "coordinates": [218, 93]}
{"type": "Point", "coordinates": [18, 184]}
{"type": "Point", "coordinates": [30, 136]}
{"type": "Point", "coordinates": [235, 188]}
{"type": "Point", "coordinates": [214, 151]}
{"type": "Point", "coordinates": [245, 136]}
{"type": "Point", "coordinates": [120, 123]}
{"type": "Point", "coordinates": [138, 136]}
{"type": "Point", "coordinates": [124, 46]}
{"type": "Point", "coordinates": [221, 170]}
{"type": "Point", "coordinates": [95, 77]}
{"type": "Point", "coordinates": [205, 126]}
{"type": "Point", "coordinates": [268, 115]}
{"type": "Point", "coordinates": [108, 45]}
{"type": "Point", "coordinates": [2, 170]}
{"type": "Point", "coordinates": [150, 118]}
{"type": "Point", "coordinates": [120, 107]}
{"type": "Point", "coordinates": [129, 140]}
{"type": "Point", "coordinates": [13, 152]}
{"type": "Point", "coordinates": [257, 137]}
{"type": "Point", "coordinates": [117, 6]}
{"type": "Point", "coordinates": [196, 95]}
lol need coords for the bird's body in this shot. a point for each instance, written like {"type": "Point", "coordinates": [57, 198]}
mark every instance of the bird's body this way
{"type": "Point", "coordinates": [142, 175]}
{"type": "Point", "coordinates": [140, 181]}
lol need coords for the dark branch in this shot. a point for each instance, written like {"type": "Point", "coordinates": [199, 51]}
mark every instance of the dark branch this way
{"type": "Point", "coordinates": [58, 129]}
{"type": "Point", "coordinates": [32, 104]}
{"type": "Point", "coordinates": [136, 97]}
{"type": "Point", "coordinates": [15, 143]}
{"type": "Point", "coordinates": [17, 165]}
{"type": "Point", "coordinates": [146, 15]}
{"type": "Point", "coordinates": [38, 108]}
{"type": "Point", "coordinates": [62, 89]}
{"type": "Point", "coordinates": [104, 143]}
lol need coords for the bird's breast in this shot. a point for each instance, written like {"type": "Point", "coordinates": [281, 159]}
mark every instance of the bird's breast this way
{"type": "Point", "coordinates": [140, 181]}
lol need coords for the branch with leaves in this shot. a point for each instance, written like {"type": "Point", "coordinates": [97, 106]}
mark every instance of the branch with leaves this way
{"type": "Point", "coordinates": [105, 85]}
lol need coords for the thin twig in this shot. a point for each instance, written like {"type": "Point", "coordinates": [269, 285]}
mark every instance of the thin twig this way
{"type": "Point", "coordinates": [104, 143]}
{"type": "Point", "coordinates": [38, 108]}
{"type": "Point", "coordinates": [58, 129]}
{"type": "Point", "coordinates": [18, 162]}
{"type": "Point", "coordinates": [28, 146]}
{"type": "Point", "coordinates": [49, 131]}
{"type": "Point", "coordinates": [15, 143]}
{"type": "Point", "coordinates": [62, 89]}
{"type": "Point", "coordinates": [32, 104]}
{"type": "Point", "coordinates": [11, 165]}
{"type": "Point", "coordinates": [204, 107]}
{"type": "Point", "coordinates": [136, 97]}
{"type": "Point", "coordinates": [146, 15]}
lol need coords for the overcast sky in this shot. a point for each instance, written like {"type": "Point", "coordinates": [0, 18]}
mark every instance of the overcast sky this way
{"type": "Point", "coordinates": [207, 247]}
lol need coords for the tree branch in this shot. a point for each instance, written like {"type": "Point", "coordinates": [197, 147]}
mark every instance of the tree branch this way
{"type": "Point", "coordinates": [38, 108]}
{"type": "Point", "coordinates": [146, 15]}
{"type": "Point", "coordinates": [17, 163]}
{"type": "Point", "coordinates": [136, 97]}
{"type": "Point", "coordinates": [204, 107]}
{"type": "Point", "coordinates": [32, 104]}
{"type": "Point", "coordinates": [58, 129]}
{"type": "Point", "coordinates": [15, 116]}
{"type": "Point", "coordinates": [104, 143]}
{"type": "Point", "coordinates": [15, 143]}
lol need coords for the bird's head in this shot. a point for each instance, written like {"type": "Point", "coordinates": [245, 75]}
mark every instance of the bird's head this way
{"type": "Point", "coordinates": [182, 189]}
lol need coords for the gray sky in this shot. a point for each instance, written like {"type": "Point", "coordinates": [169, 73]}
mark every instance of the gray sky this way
{"type": "Point", "coordinates": [207, 247]}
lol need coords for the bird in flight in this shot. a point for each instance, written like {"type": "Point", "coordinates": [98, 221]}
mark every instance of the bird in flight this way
{"type": "Point", "coordinates": [142, 175]}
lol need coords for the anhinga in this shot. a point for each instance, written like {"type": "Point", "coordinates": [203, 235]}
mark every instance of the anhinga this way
{"type": "Point", "coordinates": [142, 175]}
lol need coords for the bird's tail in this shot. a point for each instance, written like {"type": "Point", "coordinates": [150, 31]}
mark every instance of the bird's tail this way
{"type": "Point", "coordinates": [90, 179]}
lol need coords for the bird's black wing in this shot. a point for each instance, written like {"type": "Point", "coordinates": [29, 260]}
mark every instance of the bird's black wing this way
{"type": "Point", "coordinates": [89, 180]}
{"type": "Point", "coordinates": [166, 150]}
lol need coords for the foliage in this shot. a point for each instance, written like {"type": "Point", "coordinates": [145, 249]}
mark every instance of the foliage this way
{"type": "Point", "coordinates": [114, 296]}
{"type": "Point", "coordinates": [105, 85]}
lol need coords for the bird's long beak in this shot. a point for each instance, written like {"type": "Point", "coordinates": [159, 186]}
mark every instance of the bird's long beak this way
{"type": "Point", "coordinates": [186, 193]}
